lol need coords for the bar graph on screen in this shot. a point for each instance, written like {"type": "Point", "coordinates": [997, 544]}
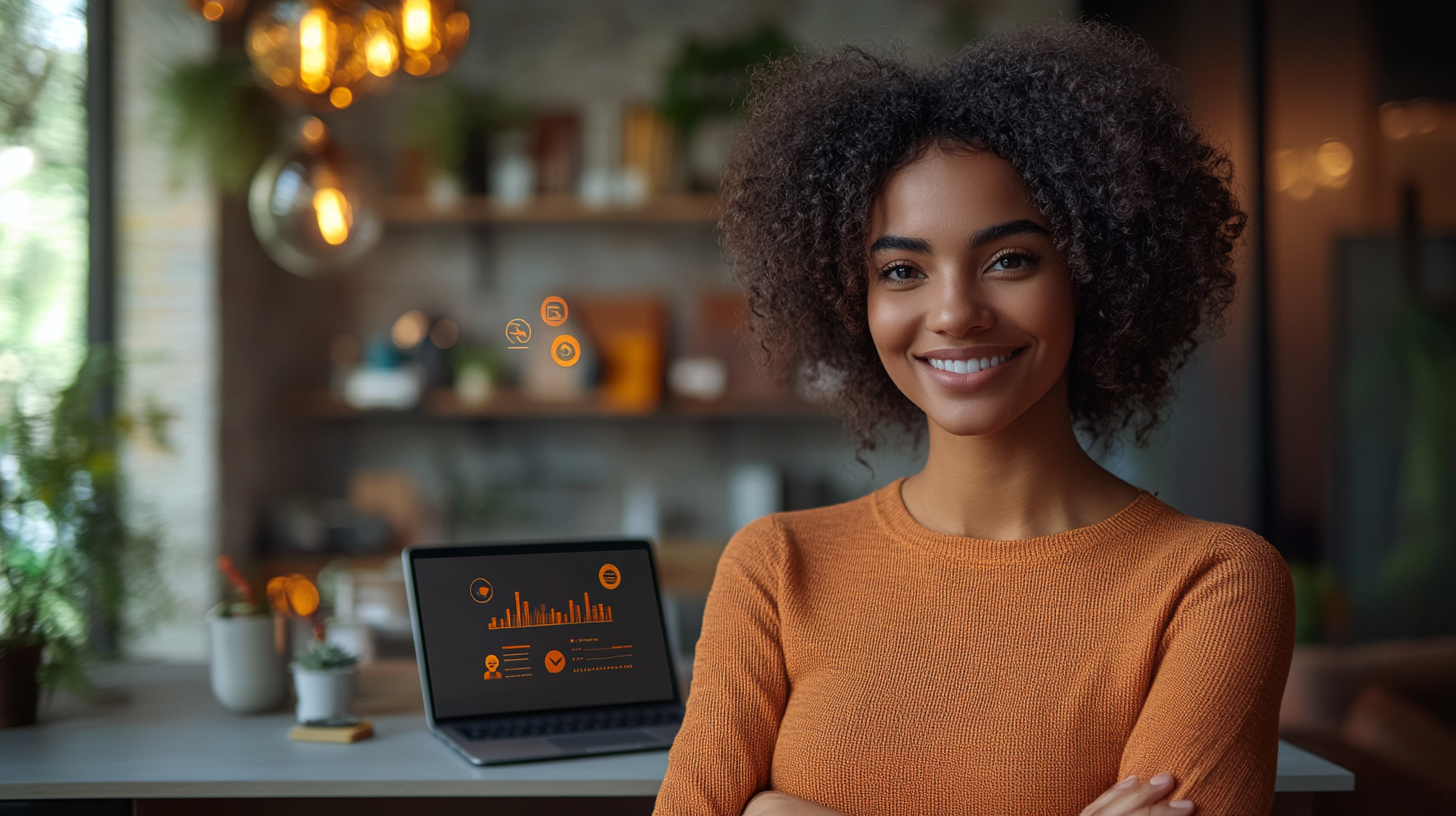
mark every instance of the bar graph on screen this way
{"type": "Point", "coordinates": [523, 616]}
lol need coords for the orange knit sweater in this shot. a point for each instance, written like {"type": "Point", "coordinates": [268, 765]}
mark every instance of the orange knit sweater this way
{"type": "Point", "coordinates": [854, 658]}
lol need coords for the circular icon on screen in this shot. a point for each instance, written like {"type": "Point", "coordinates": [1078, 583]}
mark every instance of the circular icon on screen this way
{"type": "Point", "coordinates": [610, 576]}
{"type": "Point", "coordinates": [480, 590]}
{"type": "Point", "coordinates": [565, 351]}
{"type": "Point", "coordinates": [555, 661]}
{"type": "Point", "coordinates": [553, 311]}
{"type": "Point", "coordinates": [518, 332]}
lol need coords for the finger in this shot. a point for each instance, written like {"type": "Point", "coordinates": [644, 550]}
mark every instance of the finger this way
{"type": "Point", "coordinates": [1178, 807]}
{"type": "Point", "coordinates": [1131, 799]}
{"type": "Point", "coordinates": [1108, 795]}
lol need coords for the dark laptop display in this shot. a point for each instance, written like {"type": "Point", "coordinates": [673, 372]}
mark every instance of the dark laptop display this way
{"type": "Point", "coordinates": [515, 629]}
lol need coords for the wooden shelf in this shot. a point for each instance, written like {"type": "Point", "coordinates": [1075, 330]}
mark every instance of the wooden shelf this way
{"type": "Point", "coordinates": [504, 404]}
{"type": "Point", "coordinates": [676, 209]}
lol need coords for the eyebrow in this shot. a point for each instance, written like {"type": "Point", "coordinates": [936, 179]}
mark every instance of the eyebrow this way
{"type": "Point", "coordinates": [980, 239]}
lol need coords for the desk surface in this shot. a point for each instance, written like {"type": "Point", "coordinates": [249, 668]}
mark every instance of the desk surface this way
{"type": "Point", "coordinates": [171, 740]}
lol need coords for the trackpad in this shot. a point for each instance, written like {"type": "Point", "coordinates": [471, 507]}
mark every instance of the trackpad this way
{"type": "Point", "coordinates": [587, 742]}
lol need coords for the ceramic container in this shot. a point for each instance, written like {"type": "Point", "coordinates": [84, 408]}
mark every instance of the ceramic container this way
{"type": "Point", "coordinates": [324, 695]}
{"type": "Point", "coordinates": [247, 672]}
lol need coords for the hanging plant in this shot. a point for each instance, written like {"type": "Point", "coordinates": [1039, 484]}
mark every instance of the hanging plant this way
{"type": "Point", "coordinates": [215, 118]}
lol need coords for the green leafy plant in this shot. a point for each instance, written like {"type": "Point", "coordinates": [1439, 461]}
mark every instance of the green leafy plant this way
{"type": "Point", "coordinates": [712, 80]}
{"type": "Point", "coordinates": [214, 116]}
{"type": "Point", "coordinates": [25, 65]}
{"type": "Point", "coordinates": [325, 657]}
{"type": "Point", "coordinates": [69, 561]}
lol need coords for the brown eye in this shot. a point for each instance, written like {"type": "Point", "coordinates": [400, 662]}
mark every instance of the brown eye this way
{"type": "Point", "coordinates": [901, 272]}
{"type": "Point", "coordinates": [1012, 262]}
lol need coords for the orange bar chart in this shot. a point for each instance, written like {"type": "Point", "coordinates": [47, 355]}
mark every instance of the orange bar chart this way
{"type": "Point", "coordinates": [521, 615]}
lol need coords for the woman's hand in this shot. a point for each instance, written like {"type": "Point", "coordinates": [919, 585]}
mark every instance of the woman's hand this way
{"type": "Point", "coordinates": [773, 803]}
{"type": "Point", "coordinates": [1134, 797]}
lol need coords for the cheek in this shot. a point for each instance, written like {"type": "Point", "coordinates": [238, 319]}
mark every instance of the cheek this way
{"type": "Point", "coordinates": [892, 325]}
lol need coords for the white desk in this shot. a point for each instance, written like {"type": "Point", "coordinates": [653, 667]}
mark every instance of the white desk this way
{"type": "Point", "coordinates": [171, 740]}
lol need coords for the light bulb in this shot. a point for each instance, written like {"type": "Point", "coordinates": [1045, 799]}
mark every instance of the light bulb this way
{"type": "Point", "coordinates": [431, 33]}
{"type": "Point", "coordinates": [314, 54]}
{"type": "Point", "coordinates": [313, 208]}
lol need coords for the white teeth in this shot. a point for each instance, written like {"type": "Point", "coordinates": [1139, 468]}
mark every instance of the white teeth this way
{"type": "Point", "coordinates": [960, 367]}
{"type": "Point", "coordinates": [969, 366]}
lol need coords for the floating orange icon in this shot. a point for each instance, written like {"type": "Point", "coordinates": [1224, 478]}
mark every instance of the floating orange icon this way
{"type": "Point", "coordinates": [480, 590]}
{"type": "Point", "coordinates": [518, 332]}
{"type": "Point", "coordinates": [555, 661]}
{"type": "Point", "coordinates": [491, 664]}
{"type": "Point", "coordinates": [565, 351]}
{"type": "Point", "coordinates": [553, 311]}
{"type": "Point", "coordinates": [610, 576]}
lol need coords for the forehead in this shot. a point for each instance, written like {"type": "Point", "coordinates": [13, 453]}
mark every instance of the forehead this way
{"type": "Point", "coordinates": [960, 190]}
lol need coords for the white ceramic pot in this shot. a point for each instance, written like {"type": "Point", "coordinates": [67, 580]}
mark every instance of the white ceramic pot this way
{"type": "Point", "coordinates": [247, 672]}
{"type": "Point", "coordinates": [324, 695]}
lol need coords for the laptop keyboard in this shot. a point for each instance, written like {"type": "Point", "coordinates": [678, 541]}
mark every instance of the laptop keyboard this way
{"type": "Point", "coordinates": [569, 722]}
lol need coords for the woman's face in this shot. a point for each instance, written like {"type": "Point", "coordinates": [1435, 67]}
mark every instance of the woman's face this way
{"type": "Point", "coordinates": [970, 306]}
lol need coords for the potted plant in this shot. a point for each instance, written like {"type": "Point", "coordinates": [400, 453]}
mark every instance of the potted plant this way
{"type": "Point", "coordinates": [324, 678]}
{"type": "Point", "coordinates": [69, 564]}
{"type": "Point", "coordinates": [247, 665]}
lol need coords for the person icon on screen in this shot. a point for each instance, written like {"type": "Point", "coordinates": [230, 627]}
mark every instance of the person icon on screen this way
{"type": "Point", "coordinates": [491, 664]}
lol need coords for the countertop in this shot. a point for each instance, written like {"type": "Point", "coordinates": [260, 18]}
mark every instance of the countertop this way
{"type": "Point", "coordinates": [163, 736]}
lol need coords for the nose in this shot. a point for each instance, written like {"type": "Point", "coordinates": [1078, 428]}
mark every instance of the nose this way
{"type": "Point", "coordinates": [959, 307]}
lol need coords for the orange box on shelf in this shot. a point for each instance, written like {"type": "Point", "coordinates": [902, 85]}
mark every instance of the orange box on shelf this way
{"type": "Point", "coordinates": [630, 334]}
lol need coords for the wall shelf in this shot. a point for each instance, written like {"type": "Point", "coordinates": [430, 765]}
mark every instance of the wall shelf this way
{"type": "Point", "coordinates": [443, 404]}
{"type": "Point", "coordinates": [546, 210]}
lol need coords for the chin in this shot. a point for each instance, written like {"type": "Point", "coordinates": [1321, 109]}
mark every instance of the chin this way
{"type": "Point", "coordinates": [966, 421]}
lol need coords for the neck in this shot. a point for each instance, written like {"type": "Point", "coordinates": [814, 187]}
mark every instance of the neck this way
{"type": "Point", "coordinates": [1031, 478]}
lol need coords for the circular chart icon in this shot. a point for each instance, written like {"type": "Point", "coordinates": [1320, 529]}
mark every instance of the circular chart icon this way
{"type": "Point", "coordinates": [518, 332]}
{"type": "Point", "coordinates": [480, 590]}
{"type": "Point", "coordinates": [555, 661]}
{"type": "Point", "coordinates": [565, 351]}
{"type": "Point", "coordinates": [553, 311]}
{"type": "Point", "coordinates": [610, 576]}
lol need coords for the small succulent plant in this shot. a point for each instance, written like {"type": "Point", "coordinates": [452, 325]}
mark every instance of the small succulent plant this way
{"type": "Point", "coordinates": [323, 657]}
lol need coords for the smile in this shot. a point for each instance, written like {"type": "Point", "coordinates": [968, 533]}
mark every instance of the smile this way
{"type": "Point", "coordinates": [970, 366]}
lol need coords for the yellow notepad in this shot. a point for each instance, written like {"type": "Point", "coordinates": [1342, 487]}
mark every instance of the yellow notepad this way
{"type": "Point", "coordinates": [346, 734]}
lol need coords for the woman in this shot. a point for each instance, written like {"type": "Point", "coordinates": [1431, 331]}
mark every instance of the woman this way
{"type": "Point", "coordinates": [1021, 242]}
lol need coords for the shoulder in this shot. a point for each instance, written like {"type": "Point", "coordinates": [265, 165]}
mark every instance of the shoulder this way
{"type": "Point", "coordinates": [1222, 560]}
{"type": "Point", "coordinates": [778, 538]}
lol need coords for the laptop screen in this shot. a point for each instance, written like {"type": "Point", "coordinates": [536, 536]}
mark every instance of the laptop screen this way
{"type": "Point", "coordinates": [515, 630]}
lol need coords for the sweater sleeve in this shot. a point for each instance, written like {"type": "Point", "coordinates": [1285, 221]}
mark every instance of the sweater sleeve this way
{"type": "Point", "coordinates": [1211, 717]}
{"type": "Point", "coordinates": [722, 754]}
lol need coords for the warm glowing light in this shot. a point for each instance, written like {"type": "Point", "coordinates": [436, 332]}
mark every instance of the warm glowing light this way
{"type": "Point", "coordinates": [418, 25]}
{"type": "Point", "coordinates": [410, 329]}
{"type": "Point", "coordinates": [1335, 160]}
{"type": "Point", "coordinates": [334, 219]}
{"type": "Point", "coordinates": [217, 10]}
{"type": "Point", "coordinates": [1301, 173]}
{"type": "Point", "coordinates": [382, 54]}
{"type": "Point", "coordinates": [314, 132]}
{"type": "Point", "coordinates": [431, 32]}
{"type": "Point", "coordinates": [313, 44]}
{"type": "Point", "coordinates": [341, 98]}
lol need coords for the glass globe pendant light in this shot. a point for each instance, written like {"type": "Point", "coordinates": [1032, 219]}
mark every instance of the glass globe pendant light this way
{"type": "Point", "coordinates": [312, 208]}
{"type": "Point", "coordinates": [431, 33]}
{"type": "Point", "coordinates": [321, 54]}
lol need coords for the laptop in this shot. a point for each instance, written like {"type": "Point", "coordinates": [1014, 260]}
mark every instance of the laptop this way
{"type": "Point", "coordinates": [535, 651]}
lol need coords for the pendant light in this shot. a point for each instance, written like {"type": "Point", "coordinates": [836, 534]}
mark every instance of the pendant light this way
{"type": "Point", "coordinates": [431, 33]}
{"type": "Point", "coordinates": [321, 54]}
{"type": "Point", "coordinates": [313, 208]}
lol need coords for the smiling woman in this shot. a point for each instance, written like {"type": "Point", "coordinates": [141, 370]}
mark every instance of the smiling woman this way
{"type": "Point", "coordinates": [993, 251]}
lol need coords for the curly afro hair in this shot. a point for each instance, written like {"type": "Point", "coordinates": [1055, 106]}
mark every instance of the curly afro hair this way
{"type": "Point", "coordinates": [1140, 204]}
